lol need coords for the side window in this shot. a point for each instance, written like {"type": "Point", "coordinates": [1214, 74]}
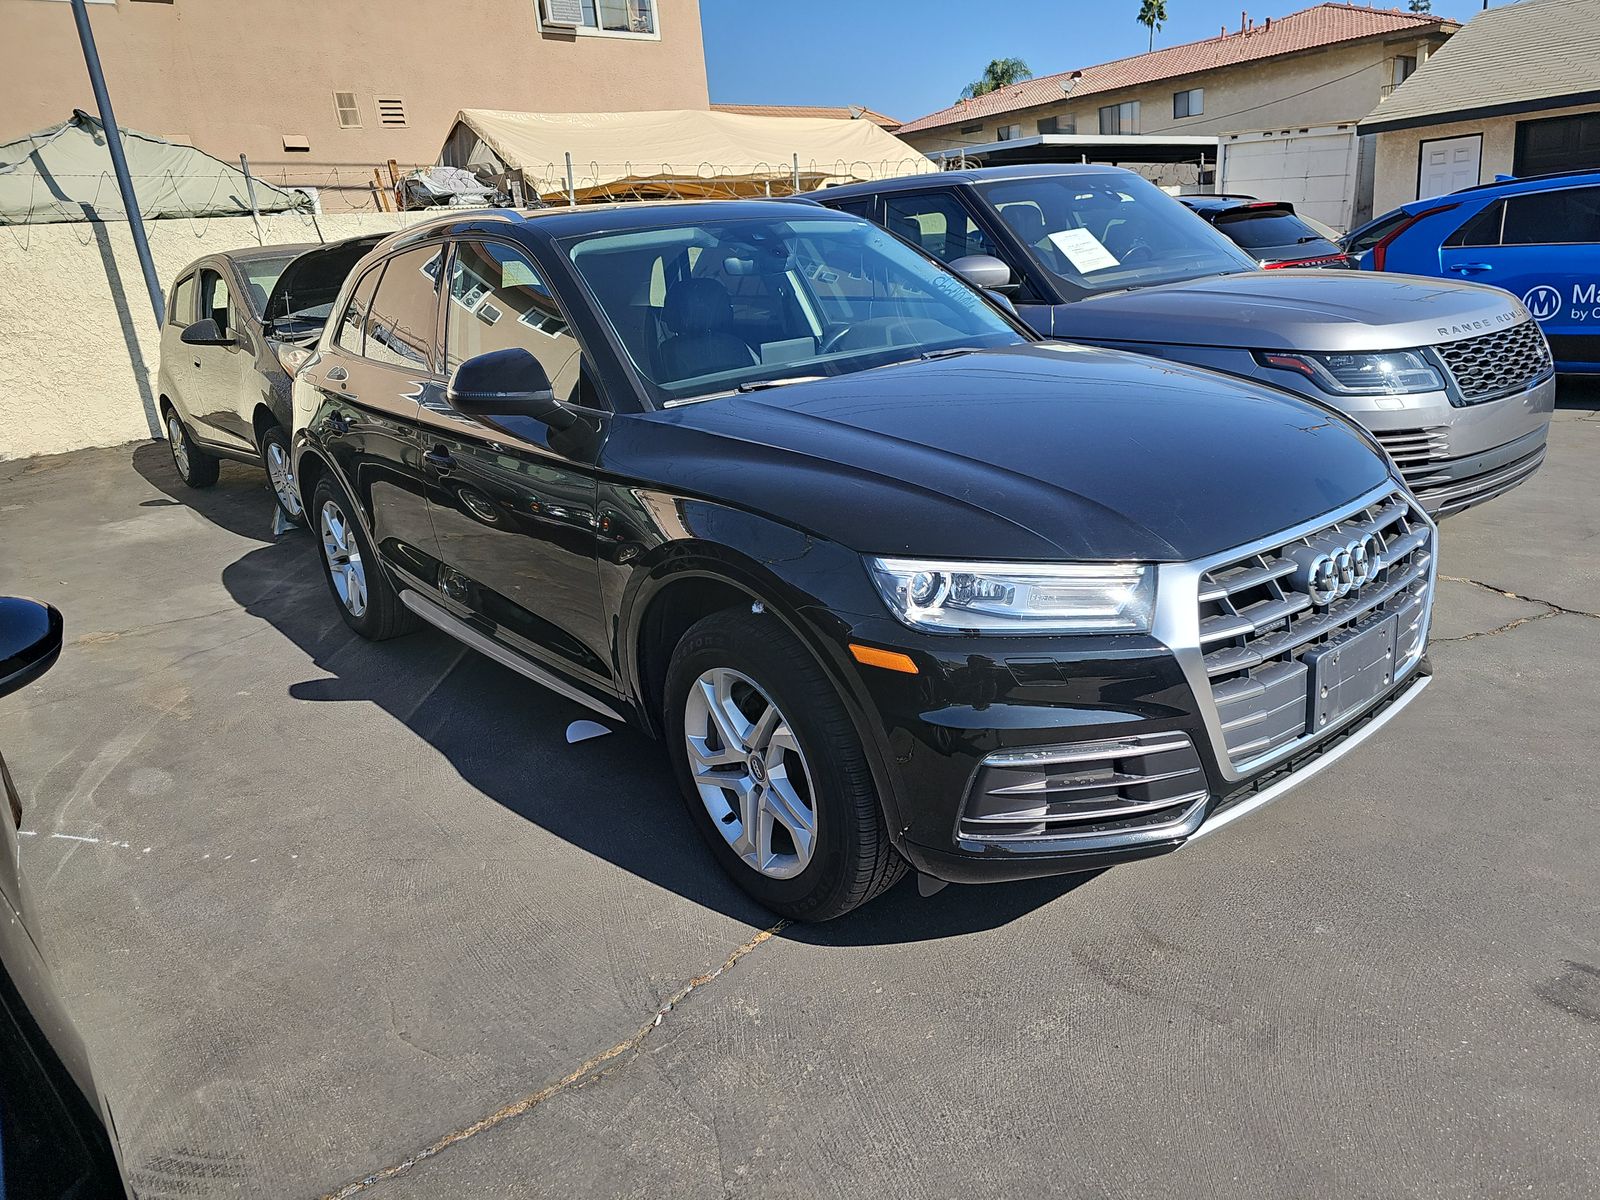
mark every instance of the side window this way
{"type": "Point", "coordinates": [1482, 229]}
{"type": "Point", "coordinates": [499, 301]}
{"type": "Point", "coordinates": [404, 310]}
{"type": "Point", "coordinates": [181, 311]}
{"type": "Point", "coordinates": [353, 324]}
{"type": "Point", "coordinates": [857, 208]}
{"type": "Point", "coordinates": [215, 301]}
{"type": "Point", "coordinates": [938, 222]}
{"type": "Point", "coordinates": [1565, 217]}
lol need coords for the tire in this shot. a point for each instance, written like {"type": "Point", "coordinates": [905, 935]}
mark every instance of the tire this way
{"type": "Point", "coordinates": [280, 475]}
{"type": "Point", "coordinates": [352, 570]}
{"type": "Point", "coordinates": [814, 754]}
{"type": "Point", "coordinates": [195, 467]}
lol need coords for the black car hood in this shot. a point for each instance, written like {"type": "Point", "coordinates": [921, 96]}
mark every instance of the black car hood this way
{"type": "Point", "coordinates": [1043, 451]}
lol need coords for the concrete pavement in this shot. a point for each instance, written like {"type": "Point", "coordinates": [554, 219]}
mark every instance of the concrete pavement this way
{"type": "Point", "coordinates": [344, 908]}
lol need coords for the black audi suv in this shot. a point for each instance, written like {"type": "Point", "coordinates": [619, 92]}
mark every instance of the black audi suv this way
{"type": "Point", "coordinates": [895, 581]}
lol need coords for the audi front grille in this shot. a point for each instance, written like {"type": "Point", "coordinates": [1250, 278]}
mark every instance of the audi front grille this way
{"type": "Point", "coordinates": [1269, 615]}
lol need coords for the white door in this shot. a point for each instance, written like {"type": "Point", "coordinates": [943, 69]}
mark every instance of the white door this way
{"type": "Point", "coordinates": [1449, 164]}
{"type": "Point", "coordinates": [1313, 169]}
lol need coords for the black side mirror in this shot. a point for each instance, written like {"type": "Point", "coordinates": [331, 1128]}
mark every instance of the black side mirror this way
{"type": "Point", "coordinates": [984, 271]}
{"type": "Point", "coordinates": [205, 333]}
{"type": "Point", "coordinates": [507, 383]}
{"type": "Point", "coordinates": [30, 641]}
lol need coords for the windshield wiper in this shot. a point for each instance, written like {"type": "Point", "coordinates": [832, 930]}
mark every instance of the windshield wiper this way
{"type": "Point", "coordinates": [761, 385]}
{"type": "Point", "coordinates": [952, 352]}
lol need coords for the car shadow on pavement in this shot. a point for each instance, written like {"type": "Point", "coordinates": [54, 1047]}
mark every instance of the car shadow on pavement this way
{"type": "Point", "coordinates": [613, 797]}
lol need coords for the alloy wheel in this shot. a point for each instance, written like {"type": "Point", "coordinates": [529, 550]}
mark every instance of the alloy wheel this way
{"type": "Point", "coordinates": [751, 773]}
{"type": "Point", "coordinates": [345, 568]}
{"type": "Point", "coordinates": [178, 445]}
{"type": "Point", "coordinates": [281, 473]}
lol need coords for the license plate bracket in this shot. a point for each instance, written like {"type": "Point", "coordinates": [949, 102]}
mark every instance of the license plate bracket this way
{"type": "Point", "coordinates": [1350, 671]}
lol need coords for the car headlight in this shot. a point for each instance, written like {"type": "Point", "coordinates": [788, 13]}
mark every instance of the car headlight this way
{"type": "Point", "coordinates": [292, 357]}
{"type": "Point", "coordinates": [1391, 373]}
{"type": "Point", "coordinates": [956, 597]}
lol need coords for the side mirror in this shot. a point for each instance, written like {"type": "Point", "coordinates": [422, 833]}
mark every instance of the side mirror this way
{"type": "Point", "coordinates": [205, 333]}
{"type": "Point", "coordinates": [983, 271]}
{"type": "Point", "coordinates": [30, 641]}
{"type": "Point", "coordinates": [507, 383]}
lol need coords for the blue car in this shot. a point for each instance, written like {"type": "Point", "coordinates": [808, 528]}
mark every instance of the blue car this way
{"type": "Point", "coordinates": [1537, 237]}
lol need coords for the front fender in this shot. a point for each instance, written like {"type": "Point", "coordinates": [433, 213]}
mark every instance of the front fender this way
{"type": "Point", "coordinates": [807, 584]}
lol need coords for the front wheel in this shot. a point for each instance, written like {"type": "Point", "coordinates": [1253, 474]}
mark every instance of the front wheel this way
{"type": "Point", "coordinates": [280, 474]}
{"type": "Point", "coordinates": [773, 770]}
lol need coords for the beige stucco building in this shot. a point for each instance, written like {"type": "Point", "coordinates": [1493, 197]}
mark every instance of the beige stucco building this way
{"type": "Point", "coordinates": [318, 92]}
{"type": "Point", "coordinates": [1280, 96]}
{"type": "Point", "coordinates": [1516, 92]}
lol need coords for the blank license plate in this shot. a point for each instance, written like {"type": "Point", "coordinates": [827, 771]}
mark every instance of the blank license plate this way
{"type": "Point", "coordinates": [1351, 670]}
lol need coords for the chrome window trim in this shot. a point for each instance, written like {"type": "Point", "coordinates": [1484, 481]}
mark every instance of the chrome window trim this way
{"type": "Point", "coordinates": [1177, 624]}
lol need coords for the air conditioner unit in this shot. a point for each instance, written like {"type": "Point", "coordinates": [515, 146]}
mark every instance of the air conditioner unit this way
{"type": "Point", "coordinates": [563, 14]}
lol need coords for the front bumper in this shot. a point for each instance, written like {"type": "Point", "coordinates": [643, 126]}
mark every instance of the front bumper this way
{"type": "Point", "coordinates": [1129, 728]}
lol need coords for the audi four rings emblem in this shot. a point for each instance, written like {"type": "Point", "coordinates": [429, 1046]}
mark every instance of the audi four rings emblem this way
{"type": "Point", "coordinates": [1334, 574]}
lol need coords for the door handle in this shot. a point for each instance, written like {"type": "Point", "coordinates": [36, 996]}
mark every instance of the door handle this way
{"type": "Point", "coordinates": [439, 459]}
{"type": "Point", "coordinates": [1471, 268]}
{"type": "Point", "coordinates": [338, 422]}
{"type": "Point", "coordinates": [337, 374]}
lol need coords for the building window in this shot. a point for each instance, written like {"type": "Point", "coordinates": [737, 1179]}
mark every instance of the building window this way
{"type": "Point", "coordinates": [1404, 67]}
{"type": "Point", "coordinates": [1057, 125]}
{"type": "Point", "coordinates": [1006, 133]}
{"type": "Point", "coordinates": [1120, 118]}
{"type": "Point", "coordinates": [391, 110]}
{"type": "Point", "coordinates": [617, 18]}
{"type": "Point", "coordinates": [344, 105]}
{"type": "Point", "coordinates": [1189, 104]}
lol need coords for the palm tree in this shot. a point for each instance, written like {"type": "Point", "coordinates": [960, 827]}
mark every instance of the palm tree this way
{"type": "Point", "coordinates": [1001, 72]}
{"type": "Point", "coordinates": [1152, 13]}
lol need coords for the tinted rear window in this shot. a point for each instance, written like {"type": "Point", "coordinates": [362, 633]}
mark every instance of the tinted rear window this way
{"type": "Point", "coordinates": [406, 309]}
{"type": "Point", "coordinates": [1255, 232]}
{"type": "Point", "coordinates": [1376, 232]}
{"type": "Point", "coordinates": [1569, 216]}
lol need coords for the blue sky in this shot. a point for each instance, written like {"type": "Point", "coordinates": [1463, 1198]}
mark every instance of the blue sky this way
{"type": "Point", "coordinates": [910, 57]}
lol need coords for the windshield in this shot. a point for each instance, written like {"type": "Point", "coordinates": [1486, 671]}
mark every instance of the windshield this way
{"type": "Point", "coordinates": [706, 309]}
{"type": "Point", "coordinates": [261, 274]}
{"type": "Point", "coordinates": [1104, 233]}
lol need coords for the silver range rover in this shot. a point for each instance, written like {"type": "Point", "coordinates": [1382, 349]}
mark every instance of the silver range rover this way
{"type": "Point", "coordinates": [1455, 379]}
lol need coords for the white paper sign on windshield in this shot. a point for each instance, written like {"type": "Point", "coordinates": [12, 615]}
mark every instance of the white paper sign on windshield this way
{"type": "Point", "coordinates": [1083, 250]}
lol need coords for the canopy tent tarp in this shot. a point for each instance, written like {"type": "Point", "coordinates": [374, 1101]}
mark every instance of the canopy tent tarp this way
{"type": "Point", "coordinates": [674, 152]}
{"type": "Point", "coordinates": [65, 174]}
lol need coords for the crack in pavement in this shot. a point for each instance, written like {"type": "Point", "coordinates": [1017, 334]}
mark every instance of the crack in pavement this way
{"type": "Point", "coordinates": [1552, 609]}
{"type": "Point", "coordinates": [584, 1073]}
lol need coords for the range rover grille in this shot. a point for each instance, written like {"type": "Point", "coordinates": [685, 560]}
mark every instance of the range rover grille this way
{"type": "Point", "coordinates": [1499, 363]}
{"type": "Point", "coordinates": [1262, 623]}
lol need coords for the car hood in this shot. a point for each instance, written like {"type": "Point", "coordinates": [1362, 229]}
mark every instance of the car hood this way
{"type": "Point", "coordinates": [1293, 309]}
{"type": "Point", "coordinates": [316, 277]}
{"type": "Point", "coordinates": [1040, 451]}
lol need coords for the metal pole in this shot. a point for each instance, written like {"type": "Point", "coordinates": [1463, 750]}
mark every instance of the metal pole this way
{"type": "Point", "coordinates": [572, 191]}
{"type": "Point", "coordinates": [119, 163]}
{"type": "Point", "coordinates": [250, 187]}
{"type": "Point", "coordinates": [796, 174]}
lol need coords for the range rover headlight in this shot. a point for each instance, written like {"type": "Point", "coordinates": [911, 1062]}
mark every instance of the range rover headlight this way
{"type": "Point", "coordinates": [955, 597]}
{"type": "Point", "coordinates": [1392, 373]}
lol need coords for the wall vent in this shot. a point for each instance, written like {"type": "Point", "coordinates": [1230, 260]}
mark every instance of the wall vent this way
{"type": "Point", "coordinates": [391, 110]}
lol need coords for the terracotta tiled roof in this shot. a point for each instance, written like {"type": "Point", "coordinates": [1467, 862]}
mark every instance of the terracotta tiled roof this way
{"type": "Point", "coordinates": [1308, 29]}
{"type": "Point", "coordinates": [833, 112]}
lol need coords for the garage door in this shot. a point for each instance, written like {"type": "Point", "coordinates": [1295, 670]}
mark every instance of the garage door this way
{"type": "Point", "coordinates": [1313, 169]}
